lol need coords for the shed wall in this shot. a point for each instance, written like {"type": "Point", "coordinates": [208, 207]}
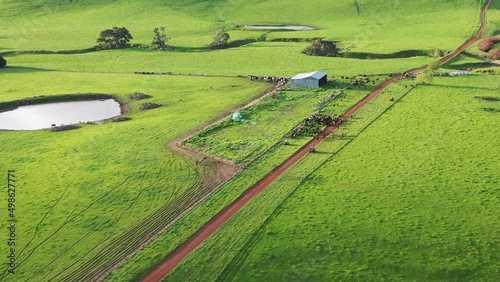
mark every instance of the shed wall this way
{"type": "Point", "coordinates": [323, 81]}
{"type": "Point", "coordinates": [305, 83]}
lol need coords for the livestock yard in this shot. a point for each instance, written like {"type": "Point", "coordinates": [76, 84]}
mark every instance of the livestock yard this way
{"type": "Point", "coordinates": [212, 166]}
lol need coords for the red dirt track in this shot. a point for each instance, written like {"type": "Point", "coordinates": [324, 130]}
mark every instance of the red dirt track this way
{"type": "Point", "coordinates": [209, 228]}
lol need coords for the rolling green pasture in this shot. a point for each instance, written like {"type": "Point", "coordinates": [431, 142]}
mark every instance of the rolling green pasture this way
{"type": "Point", "coordinates": [77, 190]}
{"type": "Point", "coordinates": [493, 26]}
{"type": "Point", "coordinates": [381, 26]}
{"type": "Point", "coordinates": [276, 58]}
{"type": "Point", "coordinates": [160, 248]}
{"type": "Point", "coordinates": [412, 197]}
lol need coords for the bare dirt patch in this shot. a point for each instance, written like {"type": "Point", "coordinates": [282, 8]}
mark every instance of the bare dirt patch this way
{"type": "Point", "coordinates": [149, 106]}
{"type": "Point", "coordinates": [138, 96]}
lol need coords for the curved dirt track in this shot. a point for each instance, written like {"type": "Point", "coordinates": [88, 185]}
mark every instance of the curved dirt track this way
{"type": "Point", "coordinates": [211, 173]}
{"type": "Point", "coordinates": [201, 235]}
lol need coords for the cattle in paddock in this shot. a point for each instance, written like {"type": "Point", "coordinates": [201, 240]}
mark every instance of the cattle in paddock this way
{"type": "Point", "coordinates": [279, 79]}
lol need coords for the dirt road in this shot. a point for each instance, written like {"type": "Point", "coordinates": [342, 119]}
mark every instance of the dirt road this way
{"type": "Point", "coordinates": [185, 249]}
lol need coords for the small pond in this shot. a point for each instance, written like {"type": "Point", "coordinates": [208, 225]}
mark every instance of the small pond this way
{"type": "Point", "coordinates": [278, 27]}
{"type": "Point", "coordinates": [45, 115]}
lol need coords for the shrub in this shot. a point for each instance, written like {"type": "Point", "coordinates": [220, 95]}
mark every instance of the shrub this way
{"type": "Point", "coordinates": [148, 106]}
{"type": "Point", "coordinates": [63, 128]}
{"type": "Point", "coordinates": [138, 96]}
{"type": "Point", "coordinates": [120, 119]}
{"type": "Point", "coordinates": [115, 38]}
{"type": "Point", "coordinates": [160, 40]}
{"type": "Point", "coordinates": [433, 65]}
{"type": "Point", "coordinates": [319, 47]}
{"type": "Point", "coordinates": [220, 39]}
{"type": "Point", "coordinates": [424, 78]}
{"type": "Point", "coordinates": [3, 62]}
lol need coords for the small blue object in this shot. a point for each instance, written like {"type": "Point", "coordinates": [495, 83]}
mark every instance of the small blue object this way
{"type": "Point", "coordinates": [237, 116]}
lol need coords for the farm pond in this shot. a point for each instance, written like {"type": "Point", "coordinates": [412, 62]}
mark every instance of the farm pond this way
{"type": "Point", "coordinates": [32, 117]}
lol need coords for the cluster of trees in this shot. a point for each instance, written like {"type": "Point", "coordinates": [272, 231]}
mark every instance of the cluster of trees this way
{"type": "Point", "coordinates": [115, 38]}
{"type": "Point", "coordinates": [119, 37]}
{"type": "Point", "coordinates": [3, 62]}
{"type": "Point", "coordinates": [319, 47]}
{"type": "Point", "coordinates": [221, 39]}
{"type": "Point", "coordinates": [160, 39]}
{"type": "Point", "coordinates": [426, 76]}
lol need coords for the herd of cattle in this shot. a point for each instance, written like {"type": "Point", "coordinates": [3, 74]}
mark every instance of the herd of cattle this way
{"type": "Point", "coordinates": [310, 125]}
{"type": "Point", "coordinates": [279, 79]}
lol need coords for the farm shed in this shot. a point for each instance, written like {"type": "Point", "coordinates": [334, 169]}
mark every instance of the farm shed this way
{"type": "Point", "coordinates": [313, 79]}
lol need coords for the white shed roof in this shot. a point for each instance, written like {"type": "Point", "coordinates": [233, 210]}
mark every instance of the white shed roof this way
{"type": "Point", "coordinates": [315, 74]}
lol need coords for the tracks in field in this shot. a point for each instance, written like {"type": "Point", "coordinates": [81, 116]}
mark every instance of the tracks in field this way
{"type": "Point", "coordinates": [100, 262]}
{"type": "Point", "coordinates": [211, 173]}
{"type": "Point", "coordinates": [208, 229]}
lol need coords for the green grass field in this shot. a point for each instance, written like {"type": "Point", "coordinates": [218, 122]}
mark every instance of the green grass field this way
{"type": "Point", "coordinates": [84, 192]}
{"type": "Point", "coordinates": [62, 25]}
{"type": "Point", "coordinates": [425, 211]}
{"type": "Point", "coordinates": [154, 253]}
{"type": "Point", "coordinates": [88, 181]}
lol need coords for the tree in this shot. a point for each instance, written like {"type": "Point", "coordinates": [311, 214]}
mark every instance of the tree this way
{"type": "Point", "coordinates": [433, 65]}
{"type": "Point", "coordinates": [160, 39]}
{"type": "Point", "coordinates": [220, 39]}
{"type": "Point", "coordinates": [319, 47]}
{"type": "Point", "coordinates": [424, 78]}
{"type": "Point", "coordinates": [3, 62]}
{"type": "Point", "coordinates": [115, 38]}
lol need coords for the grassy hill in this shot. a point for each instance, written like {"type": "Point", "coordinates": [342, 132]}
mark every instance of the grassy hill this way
{"type": "Point", "coordinates": [381, 25]}
{"type": "Point", "coordinates": [79, 191]}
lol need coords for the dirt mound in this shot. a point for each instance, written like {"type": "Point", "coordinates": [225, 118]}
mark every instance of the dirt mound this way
{"type": "Point", "coordinates": [138, 96]}
{"type": "Point", "coordinates": [494, 55]}
{"type": "Point", "coordinates": [63, 128]}
{"type": "Point", "coordinates": [120, 119]}
{"type": "Point", "coordinates": [487, 44]}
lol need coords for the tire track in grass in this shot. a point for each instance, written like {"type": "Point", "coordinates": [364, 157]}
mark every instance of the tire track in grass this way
{"type": "Point", "coordinates": [209, 178]}
{"type": "Point", "coordinates": [57, 257]}
{"type": "Point", "coordinates": [70, 218]}
{"type": "Point", "coordinates": [208, 229]}
{"type": "Point", "coordinates": [241, 256]}
{"type": "Point", "coordinates": [37, 229]}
